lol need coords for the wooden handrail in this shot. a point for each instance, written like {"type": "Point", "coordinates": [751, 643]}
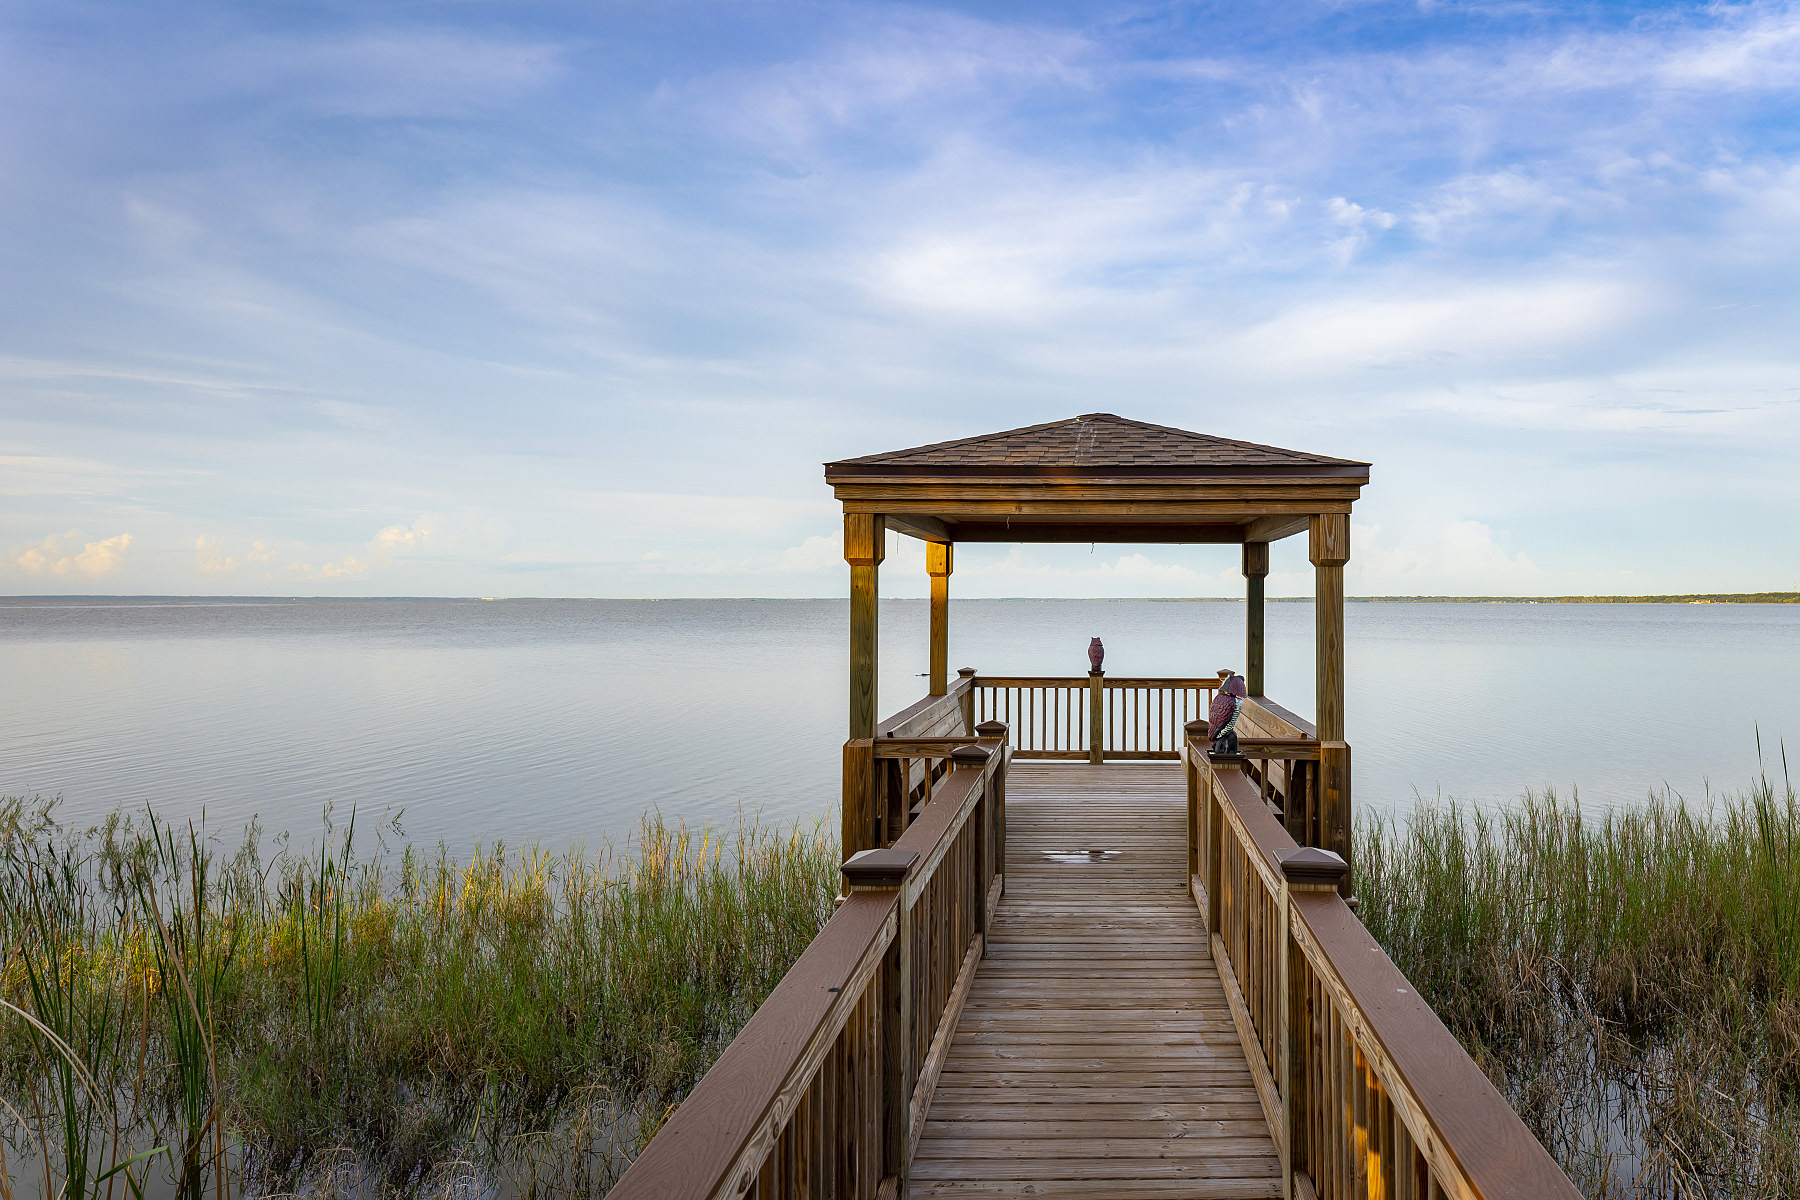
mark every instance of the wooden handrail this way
{"type": "Point", "coordinates": [824, 1090]}
{"type": "Point", "coordinates": [1366, 1092]}
{"type": "Point", "coordinates": [1081, 681]}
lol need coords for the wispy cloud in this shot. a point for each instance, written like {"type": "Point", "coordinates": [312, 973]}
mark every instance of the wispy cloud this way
{"type": "Point", "coordinates": [425, 302]}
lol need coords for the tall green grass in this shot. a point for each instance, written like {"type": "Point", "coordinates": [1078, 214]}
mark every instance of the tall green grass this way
{"type": "Point", "coordinates": [374, 1019]}
{"type": "Point", "coordinates": [1629, 979]}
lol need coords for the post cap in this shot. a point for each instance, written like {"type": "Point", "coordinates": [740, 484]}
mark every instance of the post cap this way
{"type": "Point", "coordinates": [1198, 729]}
{"type": "Point", "coordinates": [1310, 864]}
{"type": "Point", "coordinates": [879, 868]}
{"type": "Point", "coordinates": [965, 672]}
{"type": "Point", "coordinates": [969, 756]}
{"type": "Point", "coordinates": [997, 729]}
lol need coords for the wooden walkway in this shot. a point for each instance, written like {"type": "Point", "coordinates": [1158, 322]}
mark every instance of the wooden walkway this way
{"type": "Point", "coordinates": [1095, 1055]}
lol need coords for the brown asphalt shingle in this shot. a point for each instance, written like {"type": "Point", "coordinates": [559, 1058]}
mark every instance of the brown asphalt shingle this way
{"type": "Point", "coordinates": [1092, 441]}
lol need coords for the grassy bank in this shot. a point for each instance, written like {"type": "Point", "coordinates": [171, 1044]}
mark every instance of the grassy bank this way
{"type": "Point", "coordinates": [1630, 981]}
{"type": "Point", "coordinates": [360, 1017]}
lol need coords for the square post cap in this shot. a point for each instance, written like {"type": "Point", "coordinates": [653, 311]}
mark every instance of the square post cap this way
{"type": "Point", "coordinates": [969, 756]}
{"type": "Point", "coordinates": [997, 729]}
{"type": "Point", "coordinates": [1311, 865]}
{"type": "Point", "coordinates": [1198, 729]}
{"type": "Point", "coordinates": [879, 868]}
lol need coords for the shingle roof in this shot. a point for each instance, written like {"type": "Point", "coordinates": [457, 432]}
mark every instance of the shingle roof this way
{"type": "Point", "coordinates": [1096, 443]}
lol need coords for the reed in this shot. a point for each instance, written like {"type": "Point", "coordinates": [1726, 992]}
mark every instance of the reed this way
{"type": "Point", "coordinates": [368, 1018]}
{"type": "Point", "coordinates": [1629, 979]}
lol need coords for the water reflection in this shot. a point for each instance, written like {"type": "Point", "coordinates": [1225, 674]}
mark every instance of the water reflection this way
{"type": "Point", "coordinates": [561, 720]}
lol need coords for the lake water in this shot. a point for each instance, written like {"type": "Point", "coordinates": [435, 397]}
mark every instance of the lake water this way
{"type": "Point", "coordinates": [562, 720]}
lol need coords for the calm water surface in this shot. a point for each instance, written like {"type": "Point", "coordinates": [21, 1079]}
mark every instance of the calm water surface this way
{"type": "Point", "coordinates": [562, 720]}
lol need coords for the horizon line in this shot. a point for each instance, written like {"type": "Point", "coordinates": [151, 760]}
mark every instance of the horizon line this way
{"type": "Point", "coordinates": [1770, 597]}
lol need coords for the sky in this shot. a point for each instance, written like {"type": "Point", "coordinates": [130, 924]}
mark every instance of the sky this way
{"type": "Point", "coordinates": [574, 299]}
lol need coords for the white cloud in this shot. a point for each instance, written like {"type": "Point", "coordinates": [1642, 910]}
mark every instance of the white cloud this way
{"type": "Point", "coordinates": [210, 557]}
{"type": "Point", "coordinates": [401, 539]}
{"type": "Point", "coordinates": [52, 556]}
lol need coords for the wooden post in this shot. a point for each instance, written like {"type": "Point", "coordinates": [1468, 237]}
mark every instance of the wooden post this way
{"type": "Point", "coordinates": [1194, 732]}
{"type": "Point", "coordinates": [1256, 570]}
{"type": "Point", "coordinates": [857, 826]}
{"type": "Point", "coordinates": [937, 564]}
{"type": "Point", "coordinates": [998, 729]}
{"type": "Point", "coordinates": [865, 545]}
{"type": "Point", "coordinates": [1096, 717]}
{"type": "Point", "coordinates": [887, 870]}
{"type": "Point", "coordinates": [1214, 862]}
{"type": "Point", "coordinates": [1304, 870]}
{"type": "Point", "coordinates": [1330, 550]}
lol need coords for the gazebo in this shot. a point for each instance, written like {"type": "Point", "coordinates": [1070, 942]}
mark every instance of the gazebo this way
{"type": "Point", "coordinates": [1026, 985]}
{"type": "Point", "coordinates": [1097, 478]}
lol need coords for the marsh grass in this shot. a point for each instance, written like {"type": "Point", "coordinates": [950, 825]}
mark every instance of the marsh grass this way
{"type": "Point", "coordinates": [1630, 980]}
{"type": "Point", "coordinates": [361, 1019]}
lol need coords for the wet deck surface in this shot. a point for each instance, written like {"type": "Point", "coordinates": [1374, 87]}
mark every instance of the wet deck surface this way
{"type": "Point", "coordinates": [1096, 1056]}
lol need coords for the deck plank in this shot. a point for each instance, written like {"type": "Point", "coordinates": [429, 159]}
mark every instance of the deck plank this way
{"type": "Point", "coordinates": [1095, 1056]}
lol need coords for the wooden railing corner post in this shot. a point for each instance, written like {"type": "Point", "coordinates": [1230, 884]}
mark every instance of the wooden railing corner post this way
{"type": "Point", "coordinates": [1096, 717]}
{"type": "Point", "coordinates": [967, 700]}
{"type": "Point", "coordinates": [997, 808]}
{"type": "Point", "coordinates": [888, 870]}
{"type": "Point", "coordinates": [1308, 869]}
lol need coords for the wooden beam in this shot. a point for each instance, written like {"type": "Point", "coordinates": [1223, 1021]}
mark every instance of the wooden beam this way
{"type": "Point", "coordinates": [1256, 571]}
{"type": "Point", "coordinates": [1052, 504]}
{"type": "Point", "coordinates": [938, 563]}
{"type": "Point", "coordinates": [1273, 529]}
{"type": "Point", "coordinates": [926, 529]}
{"type": "Point", "coordinates": [1111, 532]}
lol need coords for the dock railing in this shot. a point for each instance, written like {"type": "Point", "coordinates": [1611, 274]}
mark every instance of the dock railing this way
{"type": "Point", "coordinates": [1366, 1093]}
{"type": "Point", "coordinates": [1093, 718]}
{"type": "Point", "coordinates": [824, 1091]}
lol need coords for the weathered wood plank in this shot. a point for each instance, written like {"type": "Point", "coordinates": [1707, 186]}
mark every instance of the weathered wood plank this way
{"type": "Point", "coordinates": [1095, 1053]}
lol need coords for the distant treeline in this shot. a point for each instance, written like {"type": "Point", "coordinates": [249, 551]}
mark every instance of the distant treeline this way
{"type": "Point", "coordinates": [1710, 598]}
{"type": "Point", "coordinates": [1713, 598]}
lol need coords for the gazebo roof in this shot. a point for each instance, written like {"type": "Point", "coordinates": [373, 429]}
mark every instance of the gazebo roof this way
{"type": "Point", "coordinates": [1097, 478]}
{"type": "Point", "coordinates": [1096, 444]}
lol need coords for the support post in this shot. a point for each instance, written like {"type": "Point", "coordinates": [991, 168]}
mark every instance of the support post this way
{"type": "Point", "coordinates": [865, 545]}
{"type": "Point", "coordinates": [1329, 546]}
{"type": "Point", "coordinates": [1096, 717]}
{"type": "Point", "coordinates": [1256, 571]}
{"type": "Point", "coordinates": [938, 559]}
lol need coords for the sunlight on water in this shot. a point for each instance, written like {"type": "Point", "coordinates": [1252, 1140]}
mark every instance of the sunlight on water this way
{"type": "Point", "coordinates": [561, 720]}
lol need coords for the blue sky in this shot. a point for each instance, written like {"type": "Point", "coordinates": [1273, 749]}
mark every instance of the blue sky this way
{"type": "Point", "coordinates": [573, 299]}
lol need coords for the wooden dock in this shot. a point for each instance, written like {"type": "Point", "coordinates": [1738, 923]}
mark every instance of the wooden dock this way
{"type": "Point", "coordinates": [1128, 979]}
{"type": "Point", "coordinates": [1095, 1054]}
